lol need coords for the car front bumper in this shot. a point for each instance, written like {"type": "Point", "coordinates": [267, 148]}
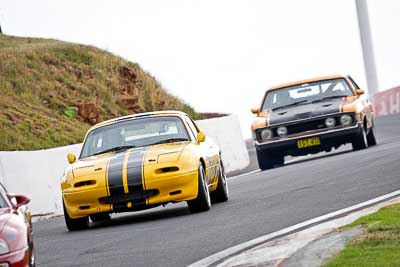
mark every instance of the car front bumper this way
{"type": "Point", "coordinates": [171, 188]}
{"type": "Point", "coordinates": [18, 258]}
{"type": "Point", "coordinates": [329, 138]}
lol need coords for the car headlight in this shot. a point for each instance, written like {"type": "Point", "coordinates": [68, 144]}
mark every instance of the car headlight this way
{"type": "Point", "coordinates": [346, 120]}
{"type": "Point", "coordinates": [330, 122]}
{"type": "Point", "coordinates": [3, 247]}
{"type": "Point", "coordinates": [266, 134]}
{"type": "Point", "coordinates": [281, 131]}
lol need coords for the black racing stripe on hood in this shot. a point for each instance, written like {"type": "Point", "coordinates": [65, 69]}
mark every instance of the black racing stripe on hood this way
{"type": "Point", "coordinates": [135, 172]}
{"type": "Point", "coordinates": [115, 166]}
{"type": "Point", "coordinates": [305, 111]}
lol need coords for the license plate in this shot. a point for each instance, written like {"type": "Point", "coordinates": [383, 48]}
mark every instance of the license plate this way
{"type": "Point", "coordinates": [315, 141]}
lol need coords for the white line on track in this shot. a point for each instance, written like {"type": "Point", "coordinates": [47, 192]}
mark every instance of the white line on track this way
{"type": "Point", "coordinates": [297, 159]}
{"type": "Point", "coordinates": [243, 174]}
{"type": "Point", "coordinates": [258, 170]}
{"type": "Point", "coordinates": [257, 241]}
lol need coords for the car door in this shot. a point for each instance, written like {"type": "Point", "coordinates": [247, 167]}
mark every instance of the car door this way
{"type": "Point", "coordinates": [212, 152]}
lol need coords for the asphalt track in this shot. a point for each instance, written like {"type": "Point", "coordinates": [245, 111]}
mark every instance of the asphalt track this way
{"type": "Point", "coordinates": [260, 203]}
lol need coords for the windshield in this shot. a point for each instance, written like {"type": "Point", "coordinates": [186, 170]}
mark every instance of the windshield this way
{"type": "Point", "coordinates": [134, 133]}
{"type": "Point", "coordinates": [307, 92]}
{"type": "Point", "coordinates": [3, 193]}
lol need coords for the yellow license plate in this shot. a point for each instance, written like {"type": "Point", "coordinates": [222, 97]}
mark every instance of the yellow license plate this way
{"type": "Point", "coordinates": [315, 141]}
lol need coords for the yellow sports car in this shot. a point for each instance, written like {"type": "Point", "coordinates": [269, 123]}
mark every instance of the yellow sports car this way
{"type": "Point", "coordinates": [142, 161]}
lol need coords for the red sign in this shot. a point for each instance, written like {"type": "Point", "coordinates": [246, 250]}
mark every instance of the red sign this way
{"type": "Point", "coordinates": [387, 102]}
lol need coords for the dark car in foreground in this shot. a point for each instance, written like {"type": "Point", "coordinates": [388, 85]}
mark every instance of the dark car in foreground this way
{"type": "Point", "coordinates": [311, 116]}
{"type": "Point", "coordinates": [16, 243]}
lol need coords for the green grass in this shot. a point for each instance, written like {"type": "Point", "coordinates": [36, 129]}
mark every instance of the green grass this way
{"type": "Point", "coordinates": [379, 245]}
{"type": "Point", "coordinates": [39, 78]}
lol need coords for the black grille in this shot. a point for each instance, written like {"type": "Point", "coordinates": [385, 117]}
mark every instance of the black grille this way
{"type": "Point", "coordinates": [306, 125]}
{"type": "Point", "coordinates": [311, 125]}
{"type": "Point", "coordinates": [129, 197]}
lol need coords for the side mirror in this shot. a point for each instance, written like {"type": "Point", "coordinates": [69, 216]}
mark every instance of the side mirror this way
{"type": "Point", "coordinates": [255, 110]}
{"type": "Point", "coordinates": [360, 92]}
{"type": "Point", "coordinates": [201, 137]}
{"type": "Point", "coordinates": [71, 158]}
{"type": "Point", "coordinates": [18, 200]}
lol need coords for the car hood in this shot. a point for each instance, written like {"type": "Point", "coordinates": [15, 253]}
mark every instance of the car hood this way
{"type": "Point", "coordinates": [144, 156]}
{"type": "Point", "coordinates": [305, 111]}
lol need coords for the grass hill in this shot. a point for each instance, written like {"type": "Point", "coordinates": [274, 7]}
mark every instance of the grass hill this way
{"type": "Point", "coordinates": [51, 92]}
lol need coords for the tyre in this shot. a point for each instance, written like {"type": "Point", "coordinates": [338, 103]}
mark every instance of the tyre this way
{"type": "Point", "coordinates": [75, 224]}
{"type": "Point", "coordinates": [100, 217]}
{"type": "Point", "coordinates": [371, 137]}
{"type": "Point", "coordinates": [203, 200]}
{"type": "Point", "coordinates": [221, 194]}
{"type": "Point", "coordinates": [268, 161]}
{"type": "Point", "coordinates": [360, 141]}
{"type": "Point", "coordinates": [264, 163]}
{"type": "Point", "coordinates": [32, 258]}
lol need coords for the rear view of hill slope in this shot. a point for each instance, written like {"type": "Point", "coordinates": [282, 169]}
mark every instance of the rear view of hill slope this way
{"type": "Point", "coordinates": [41, 79]}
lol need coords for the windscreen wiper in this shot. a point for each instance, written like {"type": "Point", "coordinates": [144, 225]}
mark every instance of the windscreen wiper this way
{"type": "Point", "coordinates": [329, 97]}
{"type": "Point", "coordinates": [117, 148]}
{"type": "Point", "coordinates": [292, 104]}
{"type": "Point", "coordinates": [170, 140]}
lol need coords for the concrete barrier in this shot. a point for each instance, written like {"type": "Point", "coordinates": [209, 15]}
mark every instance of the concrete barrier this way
{"type": "Point", "coordinates": [37, 174]}
{"type": "Point", "coordinates": [387, 102]}
{"type": "Point", "coordinates": [226, 132]}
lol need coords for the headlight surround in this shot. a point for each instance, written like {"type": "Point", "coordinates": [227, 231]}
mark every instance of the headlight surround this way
{"type": "Point", "coordinates": [357, 116]}
{"type": "Point", "coordinates": [266, 134]}
{"type": "Point", "coordinates": [330, 122]}
{"type": "Point", "coordinates": [282, 131]}
{"type": "Point", "coordinates": [4, 249]}
{"type": "Point", "coordinates": [346, 120]}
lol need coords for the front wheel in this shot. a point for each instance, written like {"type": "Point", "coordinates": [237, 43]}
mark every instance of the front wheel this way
{"type": "Point", "coordinates": [264, 163]}
{"type": "Point", "coordinates": [32, 258]}
{"type": "Point", "coordinates": [75, 224]}
{"type": "Point", "coordinates": [268, 161]}
{"type": "Point", "coordinates": [203, 200]}
{"type": "Point", "coordinates": [221, 194]}
{"type": "Point", "coordinates": [371, 137]}
{"type": "Point", "coordinates": [360, 141]}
